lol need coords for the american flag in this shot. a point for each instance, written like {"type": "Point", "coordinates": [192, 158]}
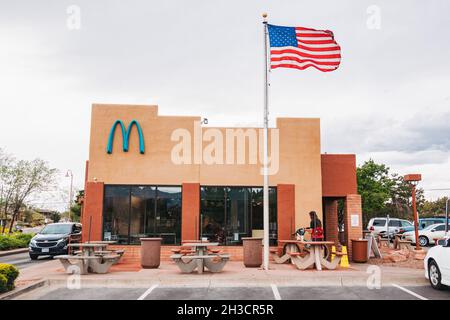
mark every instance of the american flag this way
{"type": "Point", "coordinates": [301, 48]}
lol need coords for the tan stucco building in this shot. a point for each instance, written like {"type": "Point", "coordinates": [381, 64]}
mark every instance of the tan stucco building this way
{"type": "Point", "coordinates": [171, 176]}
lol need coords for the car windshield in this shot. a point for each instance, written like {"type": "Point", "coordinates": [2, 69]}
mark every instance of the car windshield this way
{"type": "Point", "coordinates": [57, 229]}
{"type": "Point", "coordinates": [431, 226]}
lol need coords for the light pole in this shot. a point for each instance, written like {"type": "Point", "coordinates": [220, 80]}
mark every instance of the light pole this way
{"type": "Point", "coordinates": [414, 179]}
{"type": "Point", "coordinates": [70, 174]}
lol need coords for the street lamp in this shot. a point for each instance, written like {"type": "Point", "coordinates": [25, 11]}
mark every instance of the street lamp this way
{"type": "Point", "coordinates": [414, 179]}
{"type": "Point", "coordinates": [70, 174]}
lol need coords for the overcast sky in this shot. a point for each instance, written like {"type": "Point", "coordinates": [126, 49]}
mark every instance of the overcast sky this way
{"type": "Point", "coordinates": [389, 100]}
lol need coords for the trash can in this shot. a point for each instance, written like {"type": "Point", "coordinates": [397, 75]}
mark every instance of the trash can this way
{"type": "Point", "coordinates": [359, 250]}
{"type": "Point", "coordinates": [150, 252]}
{"type": "Point", "coordinates": [252, 252]}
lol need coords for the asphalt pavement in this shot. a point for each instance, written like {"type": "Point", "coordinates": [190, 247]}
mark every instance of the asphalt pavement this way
{"type": "Point", "coordinates": [22, 260]}
{"type": "Point", "coordinates": [155, 292]}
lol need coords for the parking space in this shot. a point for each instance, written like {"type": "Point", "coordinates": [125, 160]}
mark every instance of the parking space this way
{"type": "Point", "coordinates": [390, 292]}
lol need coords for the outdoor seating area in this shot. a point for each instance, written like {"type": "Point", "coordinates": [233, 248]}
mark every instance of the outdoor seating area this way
{"type": "Point", "coordinates": [92, 257]}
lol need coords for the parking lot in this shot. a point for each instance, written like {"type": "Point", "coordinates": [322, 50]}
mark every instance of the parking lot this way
{"type": "Point", "coordinates": [155, 292]}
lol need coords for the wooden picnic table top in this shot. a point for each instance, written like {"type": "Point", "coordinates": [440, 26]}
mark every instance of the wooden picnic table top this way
{"type": "Point", "coordinates": [200, 244]}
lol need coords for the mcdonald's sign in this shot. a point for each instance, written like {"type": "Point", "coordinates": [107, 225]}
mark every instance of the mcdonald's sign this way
{"type": "Point", "coordinates": [125, 136]}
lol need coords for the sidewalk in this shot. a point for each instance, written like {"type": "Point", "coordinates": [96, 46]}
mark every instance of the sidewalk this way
{"type": "Point", "coordinates": [234, 274]}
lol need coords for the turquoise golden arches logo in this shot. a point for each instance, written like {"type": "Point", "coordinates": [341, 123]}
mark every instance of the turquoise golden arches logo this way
{"type": "Point", "coordinates": [125, 136]}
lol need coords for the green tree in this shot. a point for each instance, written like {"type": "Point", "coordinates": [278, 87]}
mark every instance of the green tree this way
{"type": "Point", "coordinates": [374, 186]}
{"type": "Point", "coordinates": [29, 177]}
{"type": "Point", "coordinates": [75, 209]}
{"type": "Point", "coordinates": [383, 193]}
{"type": "Point", "coordinates": [433, 208]}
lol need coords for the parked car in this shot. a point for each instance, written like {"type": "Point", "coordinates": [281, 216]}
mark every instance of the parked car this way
{"type": "Point", "coordinates": [423, 223]}
{"type": "Point", "coordinates": [378, 226]}
{"type": "Point", "coordinates": [427, 235]}
{"type": "Point", "coordinates": [437, 264]}
{"type": "Point", "coordinates": [53, 239]}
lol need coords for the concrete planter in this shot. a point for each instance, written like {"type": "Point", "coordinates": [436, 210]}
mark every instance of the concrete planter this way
{"type": "Point", "coordinates": [150, 252]}
{"type": "Point", "coordinates": [252, 252]}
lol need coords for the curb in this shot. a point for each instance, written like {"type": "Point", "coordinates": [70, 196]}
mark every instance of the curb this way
{"type": "Point", "coordinates": [17, 292]}
{"type": "Point", "coordinates": [11, 252]}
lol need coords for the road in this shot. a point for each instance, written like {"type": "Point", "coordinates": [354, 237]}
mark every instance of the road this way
{"type": "Point", "coordinates": [22, 260]}
{"type": "Point", "coordinates": [155, 292]}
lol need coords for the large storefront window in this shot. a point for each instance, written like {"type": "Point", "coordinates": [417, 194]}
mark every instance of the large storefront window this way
{"type": "Point", "coordinates": [230, 213]}
{"type": "Point", "coordinates": [133, 212]}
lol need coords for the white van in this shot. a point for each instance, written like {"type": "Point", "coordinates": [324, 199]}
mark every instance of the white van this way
{"type": "Point", "coordinates": [378, 225]}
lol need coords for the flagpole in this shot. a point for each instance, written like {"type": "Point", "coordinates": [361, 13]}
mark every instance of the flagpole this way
{"type": "Point", "coordinates": [266, 151]}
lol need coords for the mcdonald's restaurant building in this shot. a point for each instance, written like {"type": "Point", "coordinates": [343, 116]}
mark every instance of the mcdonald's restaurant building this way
{"type": "Point", "coordinates": [150, 175]}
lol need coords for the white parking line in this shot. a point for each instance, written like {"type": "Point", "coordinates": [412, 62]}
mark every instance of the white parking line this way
{"type": "Point", "coordinates": [275, 291]}
{"type": "Point", "coordinates": [410, 292]}
{"type": "Point", "coordinates": [146, 293]}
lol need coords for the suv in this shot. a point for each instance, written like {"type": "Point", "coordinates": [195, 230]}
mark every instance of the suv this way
{"type": "Point", "coordinates": [53, 239]}
{"type": "Point", "coordinates": [378, 225]}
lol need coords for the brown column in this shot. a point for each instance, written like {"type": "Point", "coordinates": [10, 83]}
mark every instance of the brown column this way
{"type": "Point", "coordinates": [331, 219]}
{"type": "Point", "coordinates": [285, 211]}
{"type": "Point", "coordinates": [352, 207]}
{"type": "Point", "coordinates": [190, 211]}
{"type": "Point", "coordinates": [93, 207]}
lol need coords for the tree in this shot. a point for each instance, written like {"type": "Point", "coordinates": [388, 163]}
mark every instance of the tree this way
{"type": "Point", "coordinates": [28, 177]}
{"type": "Point", "coordinates": [7, 181]}
{"type": "Point", "coordinates": [383, 193]}
{"type": "Point", "coordinates": [433, 208]}
{"type": "Point", "coordinates": [374, 186]}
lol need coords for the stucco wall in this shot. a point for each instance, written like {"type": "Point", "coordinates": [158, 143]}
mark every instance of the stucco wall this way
{"type": "Point", "coordinates": [299, 158]}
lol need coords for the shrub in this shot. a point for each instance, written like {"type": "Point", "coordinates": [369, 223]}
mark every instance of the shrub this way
{"type": "Point", "coordinates": [14, 241]}
{"type": "Point", "coordinates": [25, 237]}
{"type": "Point", "coordinates": [3, 283]}
{"type": "Point", "coordinates": [10, 272]}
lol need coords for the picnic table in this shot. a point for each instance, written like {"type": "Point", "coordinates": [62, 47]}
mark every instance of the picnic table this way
{"type": "Point", "coordinates": [288, 247]}
{"type": "Point", "coordinates": [313, 252]}
{"type": "Point", "coordinates": [315, 256]}
{"type": "Point", "coordinates": [200, 258]}
{"type": "Point", "coordinates": [89, 259]}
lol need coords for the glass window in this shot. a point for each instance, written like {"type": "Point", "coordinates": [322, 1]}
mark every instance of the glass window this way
{"type": "Point", "coordinates": [406, 223]}
{"type": "Point", "coordinates": [134, 212]}
{"type": "Point", "coordinates": [212, 216]}
{"type": "Point", "coordinates": [57, 229]}
{"type": "Point", "coordinates": [142, 213]}
{"type": "Point", "coordinates": [395, 223]}
{"type": "Point", "coordinates": [379, 222]}
{"type": "Point", "coordinates": [116, 216]}
{"type": "Point", "coordinates": [168, 214]}
{"type": "Point", "coordinates": [230, 213]}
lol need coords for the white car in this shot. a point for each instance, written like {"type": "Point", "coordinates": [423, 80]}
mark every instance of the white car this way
{"type": "Point", "coordinates": [437, 264]}
{"type": "Point", "coordinates": [378, 225]}
{"type": "Point", "coordinates": [427, 235]}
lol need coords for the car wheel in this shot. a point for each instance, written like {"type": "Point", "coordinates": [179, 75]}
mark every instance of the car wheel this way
{"type": "Point", "coordinates": [434, 274]}
{"type": "Point", "coordinates": [423, 241]}
{"type": "Point", "coordinates": [33, 256]}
